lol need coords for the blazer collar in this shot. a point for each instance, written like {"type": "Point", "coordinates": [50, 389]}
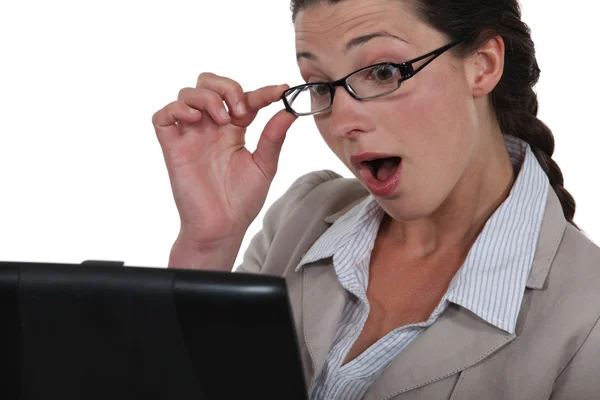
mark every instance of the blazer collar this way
{"type": "Point", "coordinates": [551, 233]}
{"type": "Point", "coordinates": [323, 300]}
{"type": "Point", "coordinates": [458, 339]}
{"type": "Point", "coordinates": [330, 219]}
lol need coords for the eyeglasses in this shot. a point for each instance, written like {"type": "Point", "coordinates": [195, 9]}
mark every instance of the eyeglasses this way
{"type": "Point", "coordinates": [366, 83]}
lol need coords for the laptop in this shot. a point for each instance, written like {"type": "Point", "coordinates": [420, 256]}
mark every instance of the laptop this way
{"type": "Point", "coordinates": [103, 330]}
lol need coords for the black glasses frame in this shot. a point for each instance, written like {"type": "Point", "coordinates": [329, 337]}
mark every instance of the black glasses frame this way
{"type": "Point", "coordinates": [406, 69]}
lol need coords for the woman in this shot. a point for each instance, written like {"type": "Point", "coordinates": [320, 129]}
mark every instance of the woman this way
{"type": "Point", "coordinates": [450, 267]}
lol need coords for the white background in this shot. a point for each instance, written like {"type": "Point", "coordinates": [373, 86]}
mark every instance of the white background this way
{"type": "Point", "coordinates": [81, 172]}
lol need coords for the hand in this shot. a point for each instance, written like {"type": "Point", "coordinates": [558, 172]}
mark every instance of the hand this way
{"type": "Point", "coordinates": [218, 185]}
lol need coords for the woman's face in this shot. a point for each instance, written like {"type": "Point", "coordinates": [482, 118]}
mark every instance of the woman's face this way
{"type": "Point", "coordinates": [430, 122]}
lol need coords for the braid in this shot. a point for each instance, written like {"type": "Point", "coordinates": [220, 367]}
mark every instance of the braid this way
{"type": "Point", "coordinates": [516, 106]}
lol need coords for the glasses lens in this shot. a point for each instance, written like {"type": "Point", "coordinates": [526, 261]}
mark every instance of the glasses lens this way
{"type": "Point", "coordinates": [309, 99]}
{"type": "Point", "coordinates": [375, 81]}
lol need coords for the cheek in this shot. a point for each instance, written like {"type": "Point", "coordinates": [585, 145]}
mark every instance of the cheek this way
{"type": "Point", "coordinates": [323, 127]}
{"type": "Point", "coordinates": [335, 144]}
{"type": "Point", "coordinates": [438, 132]}
{"type": "Point", "coordinates": [443, 119]}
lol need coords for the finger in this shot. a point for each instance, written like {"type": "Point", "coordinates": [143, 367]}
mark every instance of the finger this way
{"type": "Point", "coordinates": [258, 99]}
{"type": "Point", "coordinates": [206, 100]}
{"type": "Point", "coordinates": [228, 89]}
{"type": "Point", "coordinates": [165, 120]}
{"type": "Point", "coordinates": [268, 149]}
{"type": "Point", "coordinates": [264, 96]}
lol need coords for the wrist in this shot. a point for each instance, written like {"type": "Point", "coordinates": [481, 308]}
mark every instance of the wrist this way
{"type": "Point", "coordinates": [218, 255]}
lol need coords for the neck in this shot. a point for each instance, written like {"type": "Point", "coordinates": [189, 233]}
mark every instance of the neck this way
{"type": "Point", "coordinates": [455, 225]}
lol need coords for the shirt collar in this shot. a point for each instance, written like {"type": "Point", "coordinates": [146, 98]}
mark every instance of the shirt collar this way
{"type": "Point", "coordinates": [499, 261]}
{"type": "Point", "coordinates": [492, 280]}
{"type": "Point", "coordinates": [346, 224]}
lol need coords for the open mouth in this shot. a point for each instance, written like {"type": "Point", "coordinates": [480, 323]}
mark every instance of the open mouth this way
{"type": "Point", "coordinates": [383, 169]}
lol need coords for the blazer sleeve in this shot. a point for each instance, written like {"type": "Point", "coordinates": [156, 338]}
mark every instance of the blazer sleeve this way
{"type": "Point", "coordinates": [275, 217]}
{"type": "Point", "coordinates": [581, 377]}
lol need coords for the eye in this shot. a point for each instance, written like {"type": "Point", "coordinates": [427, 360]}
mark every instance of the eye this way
{"type": "Point", "coordinates": [383, 73]}
{"type": "Point", "coordinates": [319, 90]}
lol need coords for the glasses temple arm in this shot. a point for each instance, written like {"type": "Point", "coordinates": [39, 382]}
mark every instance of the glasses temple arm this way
{"type": "Point", "coordinates": [296, 94]}
{"type": "Point", "coordinates": [435, 54]}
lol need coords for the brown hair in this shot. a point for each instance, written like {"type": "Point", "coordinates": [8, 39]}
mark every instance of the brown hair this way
{"type": "Point", "coordinates": [513, 99]}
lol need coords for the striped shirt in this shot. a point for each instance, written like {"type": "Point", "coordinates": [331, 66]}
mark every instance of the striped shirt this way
{"type": "Point", "coordinates": [490, 283]}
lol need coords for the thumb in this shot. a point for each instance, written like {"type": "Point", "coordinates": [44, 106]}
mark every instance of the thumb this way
{"type": "Point", "coordinates": [266, 155]}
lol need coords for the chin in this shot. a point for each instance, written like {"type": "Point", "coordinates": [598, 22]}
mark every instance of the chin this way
{"type": "Point", "coordinates": [402, 209]}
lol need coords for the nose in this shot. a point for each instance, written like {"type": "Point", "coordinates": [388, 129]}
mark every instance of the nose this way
{"type": "Point", "coordinates": [347, 117]}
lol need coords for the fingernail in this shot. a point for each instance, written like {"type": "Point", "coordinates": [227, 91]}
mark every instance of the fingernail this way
{"type": "Point", "coordinates": [223, 114]}
{"type": "Point", "coordinates": [241, 108]}
{"type": "Point", "coordinates": [193, 111]}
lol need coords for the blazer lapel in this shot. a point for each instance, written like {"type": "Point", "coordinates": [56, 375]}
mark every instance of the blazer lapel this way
{"type": "Point", "coordinates": [323, 301]}
{"type": "Point", "coordinates": [551, 234]}
{"type": "Point", "coordinates": [456, 341]}
{"type": "Point", "coordinates": [459, 338]}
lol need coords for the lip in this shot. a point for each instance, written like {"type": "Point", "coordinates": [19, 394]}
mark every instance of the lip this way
{"type": "Point", "coordinates": [357, 159]}
{"type": "Point", "coordinates": [380, 189]}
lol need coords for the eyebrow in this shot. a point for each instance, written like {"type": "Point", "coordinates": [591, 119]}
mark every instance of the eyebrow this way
{"type": "Point", "coordinates": [352, 44]}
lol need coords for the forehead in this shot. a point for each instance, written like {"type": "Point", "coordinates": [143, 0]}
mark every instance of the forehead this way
{"type": "Point", "coordinates": [332, 25]}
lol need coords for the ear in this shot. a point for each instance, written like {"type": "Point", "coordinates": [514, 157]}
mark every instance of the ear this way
{"type": "Point", "coordinates": [485, 67]}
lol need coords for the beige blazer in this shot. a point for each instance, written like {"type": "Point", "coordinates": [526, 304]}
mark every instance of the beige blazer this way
{"type": "Point", "coordinates": [555, 352]}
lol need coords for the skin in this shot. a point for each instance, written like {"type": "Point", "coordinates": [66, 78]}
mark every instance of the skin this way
{"type": "Point", "coordinates": [219, 186]}
{"type": "Point", "coordinates": [455, 167]}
